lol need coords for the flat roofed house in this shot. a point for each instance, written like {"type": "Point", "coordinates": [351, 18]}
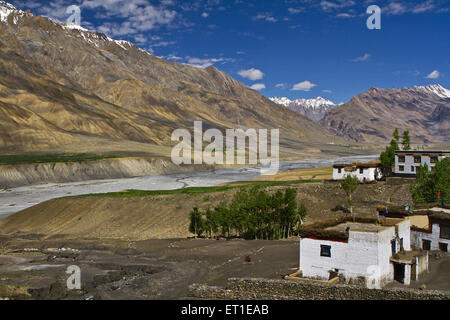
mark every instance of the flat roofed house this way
{"type": "Point", "coordinates": [369, 171]}
{"type": "Point", "coordinates": [368, 249]}
{"type": "Point", "coordinates": [430, 225]}
{"type": "Point", "coordinates": [406, 162]}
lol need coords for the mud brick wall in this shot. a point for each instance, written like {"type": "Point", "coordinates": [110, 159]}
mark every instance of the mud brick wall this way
{"type": "Point", "coordinates": [249, 288]}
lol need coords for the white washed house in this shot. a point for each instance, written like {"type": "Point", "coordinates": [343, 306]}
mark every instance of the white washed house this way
{"type": "Point", "coordinates": [370, 171]}
{"type": "Point", "coordinates": [430, 226]}
{"type": "Point", "coordinates": [406, 162]}
{"type": "Point", "coordinates": [355, 250]}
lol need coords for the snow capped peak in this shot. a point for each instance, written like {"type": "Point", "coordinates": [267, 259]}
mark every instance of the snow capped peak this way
{"type": "Point", "coordinates": [6, 9]}
{"type": "Point", "coordinates": [74, 26]}
{"type": "Point", "coordinates": [437, 89]}
{"type": "Point", "coordinates": [283, 101]}
{"type": "Point", "coordinates": [314, 109]}
{"type": "Point", "coordinates": [306, 103]}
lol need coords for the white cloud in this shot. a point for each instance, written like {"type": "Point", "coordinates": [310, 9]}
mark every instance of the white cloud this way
{"type": "Point", "coordinates": [205, 62]}
{"type": "Point", "coordinates": [303, 86]}
{"type": "Point", "coordinates": [281, 85]}
{"type": "Point", "coordinates": [365, 57]}
{"type": "Point", "coordinates": [398, 8]}
{"type": "Point", "coordinates": [327, 91]}
{"type": "Point", "coordinates": [395, 8]}
{"type": "Point", "coordinates": [434, 75]}
{"type": "Point", "coordinates": [137, 15]}
{"type": "Point", "coordinates": [345, 15]}
{"type": "Point", "coordinates": [265, 16]}
{"type": "Point", "coordinates": [251, 74]}
{"type": "Point", "coordinates": [205, 15]}
{"type": "Point", "coordinates": [424, 7]}
{"type": "Point", "coordinates": [295, 10]}
{"type": "Point", "coordinates": [258, 86]}
{"type": "Point", "coordinates": [328, 5]}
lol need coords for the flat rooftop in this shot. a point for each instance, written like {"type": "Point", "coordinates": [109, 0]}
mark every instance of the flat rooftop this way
{"type": "Point", "coordinates": [335, 230]}
{"type": "Point", "coordinates": [422, 151]}
{"type": "Point", "coordinates": [358, 227]}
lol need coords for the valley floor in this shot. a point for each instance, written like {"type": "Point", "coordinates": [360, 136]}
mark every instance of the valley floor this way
{"type": "Point", "coordinates": [151, 269]}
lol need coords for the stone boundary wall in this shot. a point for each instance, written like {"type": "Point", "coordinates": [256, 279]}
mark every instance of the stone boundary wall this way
{"type": "Point", "coordinates": [265, 289]}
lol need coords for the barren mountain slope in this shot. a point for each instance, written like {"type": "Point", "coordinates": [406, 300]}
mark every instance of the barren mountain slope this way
{"type": "Point", "coordinates": [373, 115]}
{"type": "Point", "coordinates": [72, 87]}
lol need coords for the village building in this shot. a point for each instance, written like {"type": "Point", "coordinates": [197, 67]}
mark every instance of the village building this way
{"type": "Point", "coordinates": [367, 249]}
{"type": "Point", "coordinates": [407, 162]}
{"type": "Point", "coordinates": [365, 172]}
{"type": "Point", "coordinates": [430, 225]}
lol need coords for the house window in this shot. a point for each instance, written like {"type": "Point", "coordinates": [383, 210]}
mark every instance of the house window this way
{"type": "Point", "coordinates": [426, 245]}
{"type": "Point", "coordinates": [434, 159]}
{"type": "Point", "coordinates": [401, 168]}
{"type": "Point", "coordinates": [394, 246]}
{"type": "Point", "coordinates": [412, 168]}
{"type": "Point", "coordinates": [401, 158]}
{"type": "Point", "coordinates": [443, 247]}
{"type": "Point", "coordinates": [417, 159]}
{"type": "Point", "coordinates": [444, 233]}
{"type": "Point", "coordinates": [401, 243]}
{"type": "Point", "coordinates": [325, 251]}
{"type": "Point", "coordinates": [361, 170]}
{"type": "Point", "coordinates": [339, 170]}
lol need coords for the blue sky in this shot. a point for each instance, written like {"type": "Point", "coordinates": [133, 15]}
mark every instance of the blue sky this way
{"type": "Point", "coordinates": [292, 48]}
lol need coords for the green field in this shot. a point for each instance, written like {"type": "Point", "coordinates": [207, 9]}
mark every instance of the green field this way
{"type": "Point", "coordinates": [48, 158]}
{"type": "Point", "coordinates": [195, 190]}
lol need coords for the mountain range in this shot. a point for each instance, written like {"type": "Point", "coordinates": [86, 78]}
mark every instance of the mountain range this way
{"type": "Point", "coordinates": [65, 89]}
{"type": "Point", "coordinates": [372, 115]}
{"type": "Point", "coordinates": [314, 109]}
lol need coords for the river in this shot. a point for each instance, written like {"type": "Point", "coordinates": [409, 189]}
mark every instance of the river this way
{"type": "Point", "coordinates": [17, 199]}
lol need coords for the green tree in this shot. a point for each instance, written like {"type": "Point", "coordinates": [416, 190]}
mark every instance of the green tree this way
{"type": "Point", "coordinates": [406, 143]}
{"type": "Point", "coordinates": [428, 183]}
{"type": "Point", "coordinates": [212, 222]}
{"type": "Point", "coordinates": [349, 184]}
{"type": "Point", "coordinates": [387, 157]}
{"type": "Point", "coordinates": [396, 135]}
{"type": "Point", "coordinates": [196, 225]}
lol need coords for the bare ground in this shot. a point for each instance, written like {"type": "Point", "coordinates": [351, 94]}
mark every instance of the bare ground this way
{"type": "Point", "coordinates": [166, 216]}
{"type": "Point", "coordinates": [152, 269]}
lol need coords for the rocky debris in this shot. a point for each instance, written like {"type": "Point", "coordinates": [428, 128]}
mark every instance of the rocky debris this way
{"type": "Point", "coordinates": [250, 288]}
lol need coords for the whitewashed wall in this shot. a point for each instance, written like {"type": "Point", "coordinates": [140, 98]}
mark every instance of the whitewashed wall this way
{"type": "Point", "coordinates": [369, 174]}
{"type": "Point", "coordinates": [409, 161]}
{"type": "Point", "coordinates": [353, 259]}
{"type": "Point", "coordinates": [417, 237]}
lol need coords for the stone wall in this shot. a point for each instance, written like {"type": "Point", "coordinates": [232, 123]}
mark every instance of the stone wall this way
{"type": "Point", "coordinates": [250, 288]}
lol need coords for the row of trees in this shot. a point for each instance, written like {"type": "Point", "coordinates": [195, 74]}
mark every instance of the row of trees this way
{"type": "Point", "coordinates": [252, 214]}
{"type": "Point", "coordinates": [387, 157]}
{"type": "Point", "coordinates": [432, 186]}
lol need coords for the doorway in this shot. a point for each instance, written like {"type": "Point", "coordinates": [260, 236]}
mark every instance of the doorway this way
{"type": "Point", "coordinates": [399, 272]}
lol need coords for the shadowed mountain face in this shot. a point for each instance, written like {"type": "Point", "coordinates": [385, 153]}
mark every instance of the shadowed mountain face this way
{"type": "Point", "coordinates": [373, 115]}
{"type": "Point", "coordinates": [63, 87]}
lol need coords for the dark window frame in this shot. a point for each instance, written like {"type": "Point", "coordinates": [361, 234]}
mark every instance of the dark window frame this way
{"type": "Point", "coordinates": [401, 168]}
{"type": "Point", "coordinates": [444, 232]}
{"type": "Point", "coordinates": [428, 246]}
{"type": "Point", "coordinates": [401, 159]}
{"type": "Point", "coordinates": [325, 250]}
{"type": "Point", "coordinates": [417, 159]}
{"type": "Point", "coordinates": [393, 246]}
